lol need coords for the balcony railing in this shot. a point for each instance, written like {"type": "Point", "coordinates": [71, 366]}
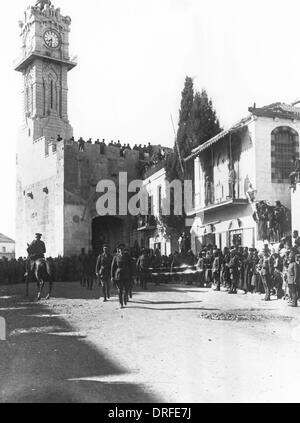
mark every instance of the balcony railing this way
{"type": "Point", "coordinates": [220, 194]}
{"type": "Point", "coordinates": [146, 222]}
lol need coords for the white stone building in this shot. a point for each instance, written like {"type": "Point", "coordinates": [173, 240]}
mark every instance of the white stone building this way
{"type": "Point", "coordinates": [152, 232]}
{"type": "Point", "coordinates": [7, 247]}
{"type": "Point", "coordinates": [260, 148]}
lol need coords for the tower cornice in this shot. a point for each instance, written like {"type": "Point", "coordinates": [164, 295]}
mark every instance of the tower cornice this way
{"type": "Point", "coordinates": [25, 62]}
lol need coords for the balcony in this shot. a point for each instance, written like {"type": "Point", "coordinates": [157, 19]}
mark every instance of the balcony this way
{"type": "Point", "coordinates": [219, 196]}
{"type": "Point", "coordinates": [146, 223]}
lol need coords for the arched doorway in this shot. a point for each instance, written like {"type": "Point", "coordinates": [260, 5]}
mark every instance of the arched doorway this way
{"type": "Point", "coordinates": [108, 230]}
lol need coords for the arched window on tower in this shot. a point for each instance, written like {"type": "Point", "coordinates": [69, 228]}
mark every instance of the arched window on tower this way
{"type": "Point", "coordinates": [44, 98]}
{"type": "Point", "coordinates": [284, 145]}
{"type": "Point", "coordinates": [51, 94]}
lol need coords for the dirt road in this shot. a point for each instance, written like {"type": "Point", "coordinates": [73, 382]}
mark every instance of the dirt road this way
{"type": "Point", "coordinates": [171, 344]}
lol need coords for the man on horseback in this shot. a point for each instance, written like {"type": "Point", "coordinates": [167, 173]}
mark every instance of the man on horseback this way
{"type": "Point", "coordinates": [36, 250]}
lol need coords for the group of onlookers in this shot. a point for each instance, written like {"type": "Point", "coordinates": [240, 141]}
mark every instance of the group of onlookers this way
{"type": "Point", "coordinates": [274, 270]}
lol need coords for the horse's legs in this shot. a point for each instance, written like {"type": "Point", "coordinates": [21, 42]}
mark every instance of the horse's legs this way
{"type": "Point", "coordinates": [27, 285]}
{"type": "Point", "coordinates": [40, 289]}
{"type": "Point", "coordinates": [50, 290]}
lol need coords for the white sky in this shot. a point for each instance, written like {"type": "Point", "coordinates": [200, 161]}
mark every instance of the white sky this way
{"type": "Point", "coordinates": [133, 56]}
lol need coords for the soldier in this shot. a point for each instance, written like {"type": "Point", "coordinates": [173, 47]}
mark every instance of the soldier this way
{"type": "Point", "coordinates": [234, 271]}
{"type": "Point", "coordinates": [201, 267]}
{"type": "Point", "coordinates": [142, 266]}
{"type": "Point", "coordinates": [103, 269]}
{"type": "Point", "coordinates": [293, 276]}
{"type": "Point", "coordinates": [267, 270]}
{"type": "Point", "coordinates": [121, 273]}
{"type": "Point", "coordinates": [81, 145]}
{"type": "Point", "coordinates": [91, 264]}
{"type": "Point", "coordinates": [36, 250]}
{"type": "Point", "coordinates": [216, 270]}
{"type": "Point", "coordinates": [89, 141]}
{"type": "Point", "coordinates": [82, 268]}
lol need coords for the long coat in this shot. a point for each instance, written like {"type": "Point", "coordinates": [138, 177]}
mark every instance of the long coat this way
{"type": "Point", "coordinates": [121, 268]}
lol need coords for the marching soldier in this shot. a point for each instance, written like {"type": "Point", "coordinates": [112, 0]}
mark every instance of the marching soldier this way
{"type": "Point", "coordinates": [103, 269]}
{"type": "Point", "coordinates": [142, 267]}
{"type": "Point", "coordinates": [121, 273]}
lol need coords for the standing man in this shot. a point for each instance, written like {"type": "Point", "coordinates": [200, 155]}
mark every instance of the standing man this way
{"type": "Point", "coordinates": [293, 280]}
{"type": "Point", "coordinates": [267, 271]}
{"type": "Point", "coordinates": [121, 273]}
{"type": "Point", "coordinates": [231, 181]}
{"type": "Point", "coordinates": [103, 269]}
{"type": "Point", "coordinates": [294, 176]}
{"type": "Point", "coordinates": [142, 267]}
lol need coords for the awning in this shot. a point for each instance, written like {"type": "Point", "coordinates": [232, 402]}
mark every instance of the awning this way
{"type": "Point", "coordinates": [237, 127]}
{"type": "Point", "coordinates": [223, 226]}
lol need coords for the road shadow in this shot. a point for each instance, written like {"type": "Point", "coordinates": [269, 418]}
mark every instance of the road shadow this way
{"type": "Point", "coordinates": [42, 354]}
{"type": "Point", "coordinates": [164, 302]}
{"type": "Point", "coordinates": [171, 308]}
{"type": "Point", "coordinates": [76, 292]}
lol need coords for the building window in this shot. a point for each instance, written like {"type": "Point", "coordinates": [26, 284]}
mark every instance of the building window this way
{"type": "Point", "coordinates": [3, 249]}
{"type": "Point", "coordinates": [284, 145]}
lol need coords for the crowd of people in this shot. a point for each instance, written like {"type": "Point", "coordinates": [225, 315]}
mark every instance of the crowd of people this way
{"type": "Point", "coordinates": [274, 270]}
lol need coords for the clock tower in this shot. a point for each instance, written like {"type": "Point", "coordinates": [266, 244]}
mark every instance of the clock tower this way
{"type": "Point", "coordinates": [44, 63]}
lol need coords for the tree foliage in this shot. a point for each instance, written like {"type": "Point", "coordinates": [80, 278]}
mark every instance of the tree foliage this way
{"type": "Point", "coordinates": [198, 123]}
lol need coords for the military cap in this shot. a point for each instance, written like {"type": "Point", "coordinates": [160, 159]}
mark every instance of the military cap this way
{"type": "Point", "coordinates": [121, 245]}
{"type": "Point", "coordinates": [106, 246]}
{"type": "Point", "coordinates": [37, 234]}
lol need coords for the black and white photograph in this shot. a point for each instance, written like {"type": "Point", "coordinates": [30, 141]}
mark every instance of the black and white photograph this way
{"type": "Point", "coordinates": [150, 204]}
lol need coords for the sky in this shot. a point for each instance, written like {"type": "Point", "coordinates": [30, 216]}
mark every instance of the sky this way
{"type": "Point", "coordinates": [133, 56]}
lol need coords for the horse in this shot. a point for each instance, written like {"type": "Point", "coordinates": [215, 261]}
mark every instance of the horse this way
{"type": "Point", "coordinates": [43, 271]}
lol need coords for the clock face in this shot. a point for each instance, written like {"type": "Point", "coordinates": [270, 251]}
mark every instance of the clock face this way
{"type": "Point", "coordinates": [52, 38]}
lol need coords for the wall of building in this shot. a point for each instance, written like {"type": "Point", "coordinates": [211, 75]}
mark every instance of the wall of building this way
{"type": "Point", "coordinates": [266, 190]}
{"type": "Point", "coordinates": [82, 172]}
{"type": "Point", "coordinates": [36, 171]}
{"type": "Point", "coordinates": [7, 250]}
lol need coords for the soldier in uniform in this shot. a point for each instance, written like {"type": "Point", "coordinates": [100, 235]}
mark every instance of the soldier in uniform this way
{"type": "Point", "coordinates": [121, 273]}
{"type": "Point", "coordinates": [83, 268]}
{"type": "Point", "coordinates": [267, 271]}
{"type": "Point", "coordinates": [293, 276]}
{"type": "Point", "coordinates": [36, 250]}
{"type": "Point", "coordinates": [103, 269]}
{"type": "Point", "coordinates": [142, 266]}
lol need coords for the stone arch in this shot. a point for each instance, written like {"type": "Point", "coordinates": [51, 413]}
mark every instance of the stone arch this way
{"type": "Point", "coordinates": [106, 229]}
{"type": "Point", "coordinates": [284, 145]}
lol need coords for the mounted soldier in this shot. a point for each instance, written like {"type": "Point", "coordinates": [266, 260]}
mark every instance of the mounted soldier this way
{"type": "Point", "coordinates": [36, 250]}
{"type": "Point", "coordinates": [38, 266]}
